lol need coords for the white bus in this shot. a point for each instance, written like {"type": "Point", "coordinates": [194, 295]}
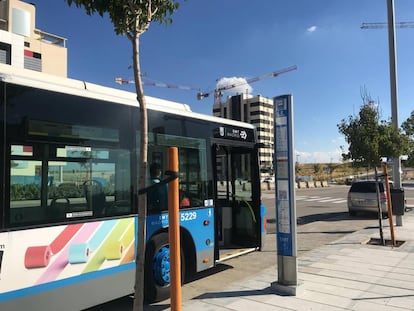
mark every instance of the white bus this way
{"type": "Point", "coordinates": [68, 212]}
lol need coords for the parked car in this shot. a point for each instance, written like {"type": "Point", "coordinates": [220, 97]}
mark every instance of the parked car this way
{"type": "Point", "coordinates": [349, 180]}
{"type": "Point", "coordinates": [362, 197]}
{"type": "Point", "coordinates": [269, 179]}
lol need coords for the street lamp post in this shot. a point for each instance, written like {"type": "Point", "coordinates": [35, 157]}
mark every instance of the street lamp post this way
{"type": "Point", "coordinates": [396, 170]}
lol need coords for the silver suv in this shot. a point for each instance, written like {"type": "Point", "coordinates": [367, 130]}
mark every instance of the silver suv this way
{"type": "Point", "coordinates": [362, 197]}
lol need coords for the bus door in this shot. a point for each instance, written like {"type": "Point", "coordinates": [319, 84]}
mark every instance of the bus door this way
{"type": "Point", "coordinates": [237, 197]}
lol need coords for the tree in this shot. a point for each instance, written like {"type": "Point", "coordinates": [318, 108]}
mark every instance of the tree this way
{"type": "Point", "coordinates": [369, 139]}
{"type": "Point", "coordinates": [297, 168]}
{"type": "Point", "coordinates": [317, 169]}
{"type": "Point", "coordinates": [133, 18]}
{"type": "Point", "coordinates": [408, 127]}
{"type": "Point", "coordinates": [331, 168]}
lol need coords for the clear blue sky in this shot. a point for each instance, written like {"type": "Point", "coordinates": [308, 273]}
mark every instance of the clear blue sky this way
{"type": "Point", "coordinates": [212, 39]}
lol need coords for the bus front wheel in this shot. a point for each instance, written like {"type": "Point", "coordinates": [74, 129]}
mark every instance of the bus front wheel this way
{"type": "Point", "coordinates": [157, 268]}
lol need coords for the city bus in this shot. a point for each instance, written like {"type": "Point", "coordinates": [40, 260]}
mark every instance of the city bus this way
{"type": "Point", "coordinates": [69, 195]}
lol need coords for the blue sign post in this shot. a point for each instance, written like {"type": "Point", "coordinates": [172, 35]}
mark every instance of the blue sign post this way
{"type": "Point", "coordinates": [285, 196]}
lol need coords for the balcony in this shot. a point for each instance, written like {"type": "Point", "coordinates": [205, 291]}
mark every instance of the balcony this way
{"type": "Point", "coordinates": [50, 38]}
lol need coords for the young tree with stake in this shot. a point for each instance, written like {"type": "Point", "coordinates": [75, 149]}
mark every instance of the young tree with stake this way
{"type": "Point", "coordinates": [133, 18]}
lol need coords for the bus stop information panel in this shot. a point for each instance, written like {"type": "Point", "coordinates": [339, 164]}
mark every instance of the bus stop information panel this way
{"type": "Point", "coordinates": [285, 192]}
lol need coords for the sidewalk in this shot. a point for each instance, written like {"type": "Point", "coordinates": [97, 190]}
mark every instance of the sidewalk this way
{"type": "Point", "coordinates": [347, 274]}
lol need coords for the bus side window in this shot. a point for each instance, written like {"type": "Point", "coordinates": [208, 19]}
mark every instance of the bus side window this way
{"type": "Point", "coordinates": [192, 166]}
{"type": "Point", "coordinates": [71, 182]}
{"type": "Point", "coordinates": [192, 178]}
{"type": "Point", "coordinates": [184, 200]}
{"type": "Point", "coordinates": [157, 197]}
{"type": "Point", "coordinates": [25, 191]}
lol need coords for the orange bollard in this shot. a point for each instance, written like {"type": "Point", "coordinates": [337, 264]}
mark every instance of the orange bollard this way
{"type": "Point", "coordinates": [174, 231]}
{"type": "Point", "coordinates": [389, 204]}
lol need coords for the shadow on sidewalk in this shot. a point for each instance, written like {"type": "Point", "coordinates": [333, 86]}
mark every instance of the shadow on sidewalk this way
{"type": "Point", "coordinates": [237, 293]}
{"type": "Point", "coordinates": [220, 267]}
{"type": "Point", "coordinates": [328, 232]}
{"type": "Point", "coordinates": [157, 307]}
{"type": "Point", "coordinates": [383, 297]}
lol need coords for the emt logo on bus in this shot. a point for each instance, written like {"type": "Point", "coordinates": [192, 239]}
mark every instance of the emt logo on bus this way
{"type": "Point", "coordinates": [233, 133]}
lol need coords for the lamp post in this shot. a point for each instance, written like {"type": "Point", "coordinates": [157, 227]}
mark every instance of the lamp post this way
{"type": "Point", "coordinates": [396, 166]}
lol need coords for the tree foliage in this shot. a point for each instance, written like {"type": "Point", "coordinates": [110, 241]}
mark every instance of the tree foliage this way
{"type": "Point", "coordinates": [369, 138]}
{"type": "Point", "coordinates": [408, 128]}
{"type": "Point", "coordinates": [331, 167]}
{"type": "Point", "coordinates": [132, 18]}
{"type": "Point", "coordinates": [408, 125]}
{"type": "Point", "coordinates": [317, 169]}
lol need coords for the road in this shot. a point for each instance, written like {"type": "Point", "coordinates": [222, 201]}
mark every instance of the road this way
{"type": "Point", "coordinates": [311, 205]}
{"type": "Point", "coordinates": [322, 218]}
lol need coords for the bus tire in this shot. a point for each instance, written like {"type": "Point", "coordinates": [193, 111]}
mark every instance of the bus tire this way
{"type": "Point", "coordinates": [157, 268]}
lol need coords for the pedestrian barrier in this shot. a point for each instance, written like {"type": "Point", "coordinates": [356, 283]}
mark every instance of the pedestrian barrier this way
{"type": "Point", "coordinates": [298, 185]}
{"type": "Point", "coordinates": [311, 184]}
{"type": "Point", "coordinates": [302, 184]}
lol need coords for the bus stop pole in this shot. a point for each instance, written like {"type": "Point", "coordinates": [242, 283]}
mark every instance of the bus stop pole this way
{"type": "Point", "coordinates": [174, 232]}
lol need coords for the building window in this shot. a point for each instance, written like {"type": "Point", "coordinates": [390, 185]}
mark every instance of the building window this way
{"type": "Point", "coordinates": [236, 108]}
{"type": "Point", "coordinates": [32, 60]}
{"type": "Point", "coordinates": [4, 14]}
{"type": "Point", "coordinates": [5, 53]}
{"type": "Point", "coordinates": [263, 113]}
{"type": "Point", "coordinates": [261, 104]}
{"type": "Point", "coordinates": [21, 22]}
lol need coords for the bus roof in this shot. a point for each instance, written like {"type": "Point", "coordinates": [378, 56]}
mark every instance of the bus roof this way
{"type": "Point", "coordinates": [30, 78]}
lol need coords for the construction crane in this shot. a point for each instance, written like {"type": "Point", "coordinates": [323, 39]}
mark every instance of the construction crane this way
{"type": "Point", "coordinates": [150, 83]}
{"type": "Point", "coordinates": [218, 91]}
{"type": "Point", "coordinates": [385, 25]}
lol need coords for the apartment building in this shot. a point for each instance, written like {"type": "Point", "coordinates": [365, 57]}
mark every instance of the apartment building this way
{"type": "Point", "coordinates": [23, 45]}
{"type": "Point", "coordinates": [257, 110]}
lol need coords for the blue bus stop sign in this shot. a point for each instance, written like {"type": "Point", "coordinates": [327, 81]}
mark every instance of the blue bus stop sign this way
{"type": "Point", "coordinates": [285, 190]}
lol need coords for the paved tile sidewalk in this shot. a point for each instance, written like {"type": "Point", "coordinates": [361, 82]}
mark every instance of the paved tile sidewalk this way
{"type": "Point", "coordinates": [347, 274]}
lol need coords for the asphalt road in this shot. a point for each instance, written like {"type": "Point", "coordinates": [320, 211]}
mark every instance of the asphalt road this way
{"type": "Point", "coordinates": [313, 204]}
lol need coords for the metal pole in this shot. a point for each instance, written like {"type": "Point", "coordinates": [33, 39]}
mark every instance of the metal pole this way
{"type": "Point", "coordinates": [174, 232]}
{"type": "Point", "coordinates": [396, 166]}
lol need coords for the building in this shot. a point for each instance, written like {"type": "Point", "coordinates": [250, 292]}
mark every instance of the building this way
{"type": "Point", "coordinates": [257, 110]}
{"type": "Point", "coordinates": [24, 46]}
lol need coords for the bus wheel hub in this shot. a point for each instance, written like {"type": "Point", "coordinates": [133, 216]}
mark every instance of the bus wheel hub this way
{"type": "Point", "coordinates": [161, 266]}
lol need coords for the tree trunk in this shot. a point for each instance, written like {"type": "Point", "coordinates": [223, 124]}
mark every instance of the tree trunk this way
{"type": "Point", "coordinates": [142, 199]}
